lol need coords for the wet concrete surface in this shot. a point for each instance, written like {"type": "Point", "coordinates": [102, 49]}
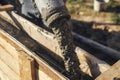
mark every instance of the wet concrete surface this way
{"type": "Point", "coordinates": [63, 34]}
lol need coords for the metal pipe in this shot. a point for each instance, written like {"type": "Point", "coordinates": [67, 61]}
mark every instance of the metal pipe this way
{"type": "Point", "coordinates": [106, 50]}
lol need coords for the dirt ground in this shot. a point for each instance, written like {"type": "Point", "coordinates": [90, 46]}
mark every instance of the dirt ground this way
{"type": "Point", "coordinates": [106, 34]}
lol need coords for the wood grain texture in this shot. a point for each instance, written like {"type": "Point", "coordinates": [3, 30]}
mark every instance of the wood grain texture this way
{"type": "Point", "coordinates": [111, 74]}
{"type": "Point", "coordinates": [9, 60]}
{"type": "Point", "coordinates": [3, 76]}
{"type": "Point", "coordinates": [9, 46]}
{"type": "Point", "coordinates": [8, 71]}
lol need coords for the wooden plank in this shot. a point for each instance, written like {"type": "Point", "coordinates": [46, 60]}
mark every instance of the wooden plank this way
{"type": "Point", "coordinates": [19, 47]}
{"type": "Point", "coordinates": [47, 39]}
{"type": "Point", "coordinates": [27, 67]}
{"type": "Point", "coordinates": [7, 17]}
{"type": "Point", "coordinates": [6, 7]}
{"type": "Point", "coordinates": [9, 47]}
{"type": "Point", "coordinates": [9, 60]}
{"type": "Point", "coordinates": [54, 75]}
{"type": "Point", "coordinates": [111, 74]}
{"type": "Point", "coordinates": [37, 33]}
{"type": "Point", "coordinates": [8, 71]}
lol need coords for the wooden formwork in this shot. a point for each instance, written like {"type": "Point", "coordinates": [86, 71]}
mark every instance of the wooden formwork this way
{"type": "Point", "coordinates": [20, 63]}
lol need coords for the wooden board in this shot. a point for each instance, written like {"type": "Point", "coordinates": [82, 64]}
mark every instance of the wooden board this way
{"type": "Point", "coordinates": [5, 43]}
{"type": "Point", "coordinates": [45, 68]}
{"type": "Point", "coordinates": [6, 7]}
{"type": "Point", "coordinates": [111, 74]}
{"type": "Point", "coordinates": [27, 66]}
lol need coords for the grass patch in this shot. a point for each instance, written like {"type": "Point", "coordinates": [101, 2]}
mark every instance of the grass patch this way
{"type": "Point", "coordinates": [115, 18]}
{"type": "Point", "coordinates": [112, 4]}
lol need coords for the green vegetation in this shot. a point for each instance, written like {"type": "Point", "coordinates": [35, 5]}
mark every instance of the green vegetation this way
{"type": "Point", "coordinates": [114, 8]}
{"type": "Point", "coordinates": [85, 8]}
{"type": "Point", "coordinates": [115, 18]}
{"type": "Point", "coordinates": [112, 4]}
{"type": "Point", "coordinates": [76, 1]}
{"type": "Point", "coordinates": [75, 6]}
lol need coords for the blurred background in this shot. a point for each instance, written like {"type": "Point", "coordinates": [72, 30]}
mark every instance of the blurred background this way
{"type": "Point", "coordinates": [98, 20]}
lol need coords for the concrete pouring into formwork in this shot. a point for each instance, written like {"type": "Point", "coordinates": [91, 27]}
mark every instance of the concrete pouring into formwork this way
{"type": "Point", "coordinates": [50, 42]}
{"type": "Point", "coordinates": [63, 35]}
{"type": "Point", "coordinates": [58, 22]}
